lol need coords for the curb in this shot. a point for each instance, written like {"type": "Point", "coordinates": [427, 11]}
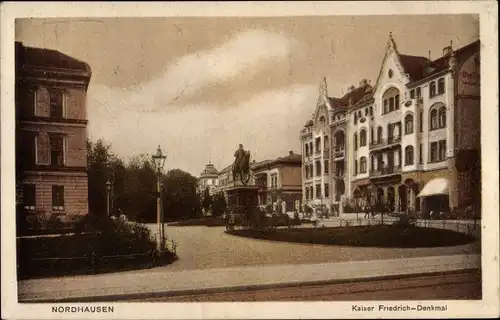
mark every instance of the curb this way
{"type": "Point", "coordinates": [242, 288]}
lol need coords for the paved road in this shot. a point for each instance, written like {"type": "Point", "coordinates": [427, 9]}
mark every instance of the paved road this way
{"type": "Point", "coordinates": [209, 247]}
{"type": "Point", "coordinates": [455, 286]}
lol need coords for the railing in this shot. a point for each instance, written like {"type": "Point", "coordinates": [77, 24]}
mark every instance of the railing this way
{"type": "Point", "coordinates": [338, 151]}
{"type": "Point", "coordinates": [385, 142]}
{"type": "Point", "coordinates": [385, 170]}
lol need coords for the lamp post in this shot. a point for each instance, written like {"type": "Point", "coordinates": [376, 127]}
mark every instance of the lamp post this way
{"type": "Point", "coordinates": [159, 161]}
{"type": "Point", "coordinates": [108, 189]}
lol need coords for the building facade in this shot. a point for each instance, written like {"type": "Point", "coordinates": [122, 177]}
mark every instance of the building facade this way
{"type": "Point", "coordinates": [324, 140]}
{"type": "Point", "coordinates": [279, 183]}
{"type": "Point", "coordinates": [209, 179]}
{"type": "Point", "coordinates": [51, 133]}
{"type": "Point", "coordinates": [413, 139]}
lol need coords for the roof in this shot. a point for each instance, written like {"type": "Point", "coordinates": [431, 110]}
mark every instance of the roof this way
{"type": "Point", "coordinates": [414, 65]}
{"type": "Point", "coordinates": [49, 58]}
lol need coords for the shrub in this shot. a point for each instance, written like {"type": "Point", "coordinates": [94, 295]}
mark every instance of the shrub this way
{"type": "Point", "coordinates": [404, 221]}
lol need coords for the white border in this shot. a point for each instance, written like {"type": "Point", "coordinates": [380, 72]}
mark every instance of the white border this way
{"type": "Point", "coordinates": [488, 307]}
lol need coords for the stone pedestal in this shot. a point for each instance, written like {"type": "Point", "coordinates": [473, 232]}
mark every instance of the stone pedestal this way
{"type": "Point", "coordinates": [242, 197]}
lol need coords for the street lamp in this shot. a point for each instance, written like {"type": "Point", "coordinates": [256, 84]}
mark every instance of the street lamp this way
{"type": "Point", "coordinates": [159, 161]}
{"type": "Point", "coordinates": [108, 189]}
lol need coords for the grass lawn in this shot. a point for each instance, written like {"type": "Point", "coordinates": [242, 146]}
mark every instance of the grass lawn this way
{"type": "Point", "coordinates": [391, 236]}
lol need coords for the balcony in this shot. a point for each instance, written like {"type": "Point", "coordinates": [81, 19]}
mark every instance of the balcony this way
{"type": "Point", "coordinates": [385, 171]}
{"type": "Point", "coordinates": [338, 151]}
{"type": "Point", "coordinates": [385, 143]}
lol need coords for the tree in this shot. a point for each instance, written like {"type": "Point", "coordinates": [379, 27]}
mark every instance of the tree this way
{"type": "Point", "coordinates": [219, 205]}
{"type": "Point", "coordinates": [206, 201]}
{"type": "Point", "coordinates": [179, 197]}
{"type": "Point", "coordinates": [98, 165]}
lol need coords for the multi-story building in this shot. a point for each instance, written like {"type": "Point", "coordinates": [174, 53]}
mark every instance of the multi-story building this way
{"type": "Point", "coordinates": [279, 183]}
{"type": "Point", "coordinates": [324, 138]}
{"type": "Point", "coordinates": [209, 179]}
{"type": "Point", "coordinates": [51, 133]}
{"type": "Point", "coordinates": [413, 140]}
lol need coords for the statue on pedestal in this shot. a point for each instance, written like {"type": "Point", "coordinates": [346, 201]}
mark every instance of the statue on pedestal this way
{"type": "Point", "coordinates": [241, 165]}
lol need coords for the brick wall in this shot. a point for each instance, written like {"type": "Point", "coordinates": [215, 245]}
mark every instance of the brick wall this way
{"type": "Point", "coordinates": [76, 148]}
{"type": "Point", "coordinates": [75, 192]}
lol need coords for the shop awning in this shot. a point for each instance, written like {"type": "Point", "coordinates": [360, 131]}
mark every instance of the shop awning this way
{"type": "Point", "coordinates": [438, 186]}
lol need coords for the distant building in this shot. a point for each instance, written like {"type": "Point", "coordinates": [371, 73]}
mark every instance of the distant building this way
{"type": "Point", "coordinates": [279, 183]}
{"type": "Point", "coordinates": [412, 140]}
{"type": "Point", "coordinates": [209, 179]}
{"type": "Point", "coordinates": [51, 133]}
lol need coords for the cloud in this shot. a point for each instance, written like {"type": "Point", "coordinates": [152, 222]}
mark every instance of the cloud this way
{"type": "Point", "coordinates": [245, 51]}
{"type": "Point", "coordinates": [268, 125]}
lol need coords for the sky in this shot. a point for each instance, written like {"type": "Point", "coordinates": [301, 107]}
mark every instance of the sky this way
{"type": "Point", "coordinates": [200, 86]}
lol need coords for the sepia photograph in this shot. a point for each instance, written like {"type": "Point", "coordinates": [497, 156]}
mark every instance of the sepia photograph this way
{"type": "Point", "coordinates": [228, 159]}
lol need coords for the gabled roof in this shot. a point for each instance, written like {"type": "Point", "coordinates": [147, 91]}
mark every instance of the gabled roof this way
{"type": "Point", "coordinates": [413, 65]}
{"type": "Point", "coordinates": [48, 58]}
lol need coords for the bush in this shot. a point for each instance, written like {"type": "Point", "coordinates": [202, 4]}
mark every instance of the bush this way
{"type": "Point", "coordinates": [101, 245]}
{"type": "Point", "coordinates": [404, 221]}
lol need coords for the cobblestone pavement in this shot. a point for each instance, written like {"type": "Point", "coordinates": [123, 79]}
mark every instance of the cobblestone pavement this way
{"type": "Point", "coordinates": [209, 247]}
{"type": "Point", "coordinates": [455, 286]}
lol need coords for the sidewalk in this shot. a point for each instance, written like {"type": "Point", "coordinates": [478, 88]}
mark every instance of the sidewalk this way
{"type": "Point", "coordinates": [136, 285]}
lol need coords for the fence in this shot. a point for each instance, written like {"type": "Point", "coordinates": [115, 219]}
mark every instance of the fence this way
{"type": "Point", "coordinates": [466, 227]}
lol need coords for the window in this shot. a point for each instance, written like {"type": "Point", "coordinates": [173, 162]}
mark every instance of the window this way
{"type": "Point", "coordinates": [355, 167]}
{"type": "Point", "coordinates": [372, 135]}
{"type": "Point", "coordinates": [327, 190]}
{"type": "Point", "coordinates": [420, 154]}
{"type": "Point", "coordinates": [391, 104]}
{"type": "Point", "coordinates": [432, 89]}
{"type": "Point", "coordinates": [386, 106]}
{"type": "Point", "coordinates": [397, 102]}
{"type": "Point", "coordinates": [371, 111]}
{"type": "Point", "coordinates": [434, 119]}
{"type": "Point", "coordinates": [409, 155]}
{"type": "Point", "coordinates": [318, 191]}
{"type": "Point", "coordinates": [412, 94]}
{"type": "Point", "coordinates": [326, 167]}
{"type": "Point", "coordinates": [372, 163]}
{"type": "Point", "coordinates": [421, 121]}
{"type": "Point", "coordinates": [318, 144]}
{"type": "Point", "coordinates": [442, 117]}
{"type": "Point", "coordinates": [379, 134]}
{"type": "Point", "coordinates": [307, 171]}
{"type": "Point", "coordinates": [362, 138]}
{"type": "Point", "coordinates": [362, 165]}
{"type": "Point", "coordinates": [408, 124]}
{"type": "Point", "coordinates": [307, 150]}
{"type": "Point", "coordinates": [325, 140]}
{"type": "Point", "coordinates": [366, 111]}
{"type": "Point", "coordinates": [58, 198]}
{"type": "Point", "coordinates": [318, 168]}
{"type": "Point", "coordinates": [380, 161]}
{"type": "Point", "coordinates": [355, 141]}
{"type": "Point", "coordinates": [27, 145]}
{"type": "Point", "coordinates": [418, 92]}
{"type": "Point", "coordinates": [355, 118]}
{"type": "Point", "coordinates": [441, 86]}
{"type": "Point", "coordinates": [29, 196]}
{"type": "Point", "coordinates": [434, 151]}
{"type": "Point", "coordinates": [56, 104]}
{"type": "Point", "coordinates": [442, 150]}
{"type": "Point", "coordinates": [56, 150]}
{"type": "Point", "coordinates": [307, 193]}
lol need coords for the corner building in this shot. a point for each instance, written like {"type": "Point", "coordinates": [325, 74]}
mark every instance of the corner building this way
{"type": "Point", "coordinates": [413, 140]}
{"type": "Point", "coordinates": [51, 133]}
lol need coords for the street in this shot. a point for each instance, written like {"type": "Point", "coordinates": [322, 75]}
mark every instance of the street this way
{"type": "Point", "coordinates": [210, 247]}
{"type": "Point", "coordinates": [453, 286]}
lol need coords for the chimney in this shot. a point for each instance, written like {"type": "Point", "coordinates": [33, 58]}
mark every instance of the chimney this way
{"type": "Point", "coordinates": [290, 152]}
{"type": "Point", "coordinates": [447, 51]}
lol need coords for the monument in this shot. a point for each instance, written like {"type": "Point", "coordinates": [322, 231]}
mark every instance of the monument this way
{"type": "Point", "coordinates": [242, 197]}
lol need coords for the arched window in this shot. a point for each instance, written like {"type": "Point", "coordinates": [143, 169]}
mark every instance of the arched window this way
{"type": "Point", "coordinates": [390, 100]}
{"type": "Point", "coordinates": [355, 141]}
{"type": "Point", "coordinates": [379, 134]}
{"type": "Point", "coordinates": [362, 165]}
{"type": "Point", "coordinates": [409, 155]}
{"type": "Point", "coordinates": [362, 138]}
{"type": "Point", "coordinates": [322, 120]}
{"type": "Point", "coordinates": [442, 117]}
{"type": "Point", "coordinates": [434, 119]}
{"type": "Point", "coordinates": [408, 124]}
